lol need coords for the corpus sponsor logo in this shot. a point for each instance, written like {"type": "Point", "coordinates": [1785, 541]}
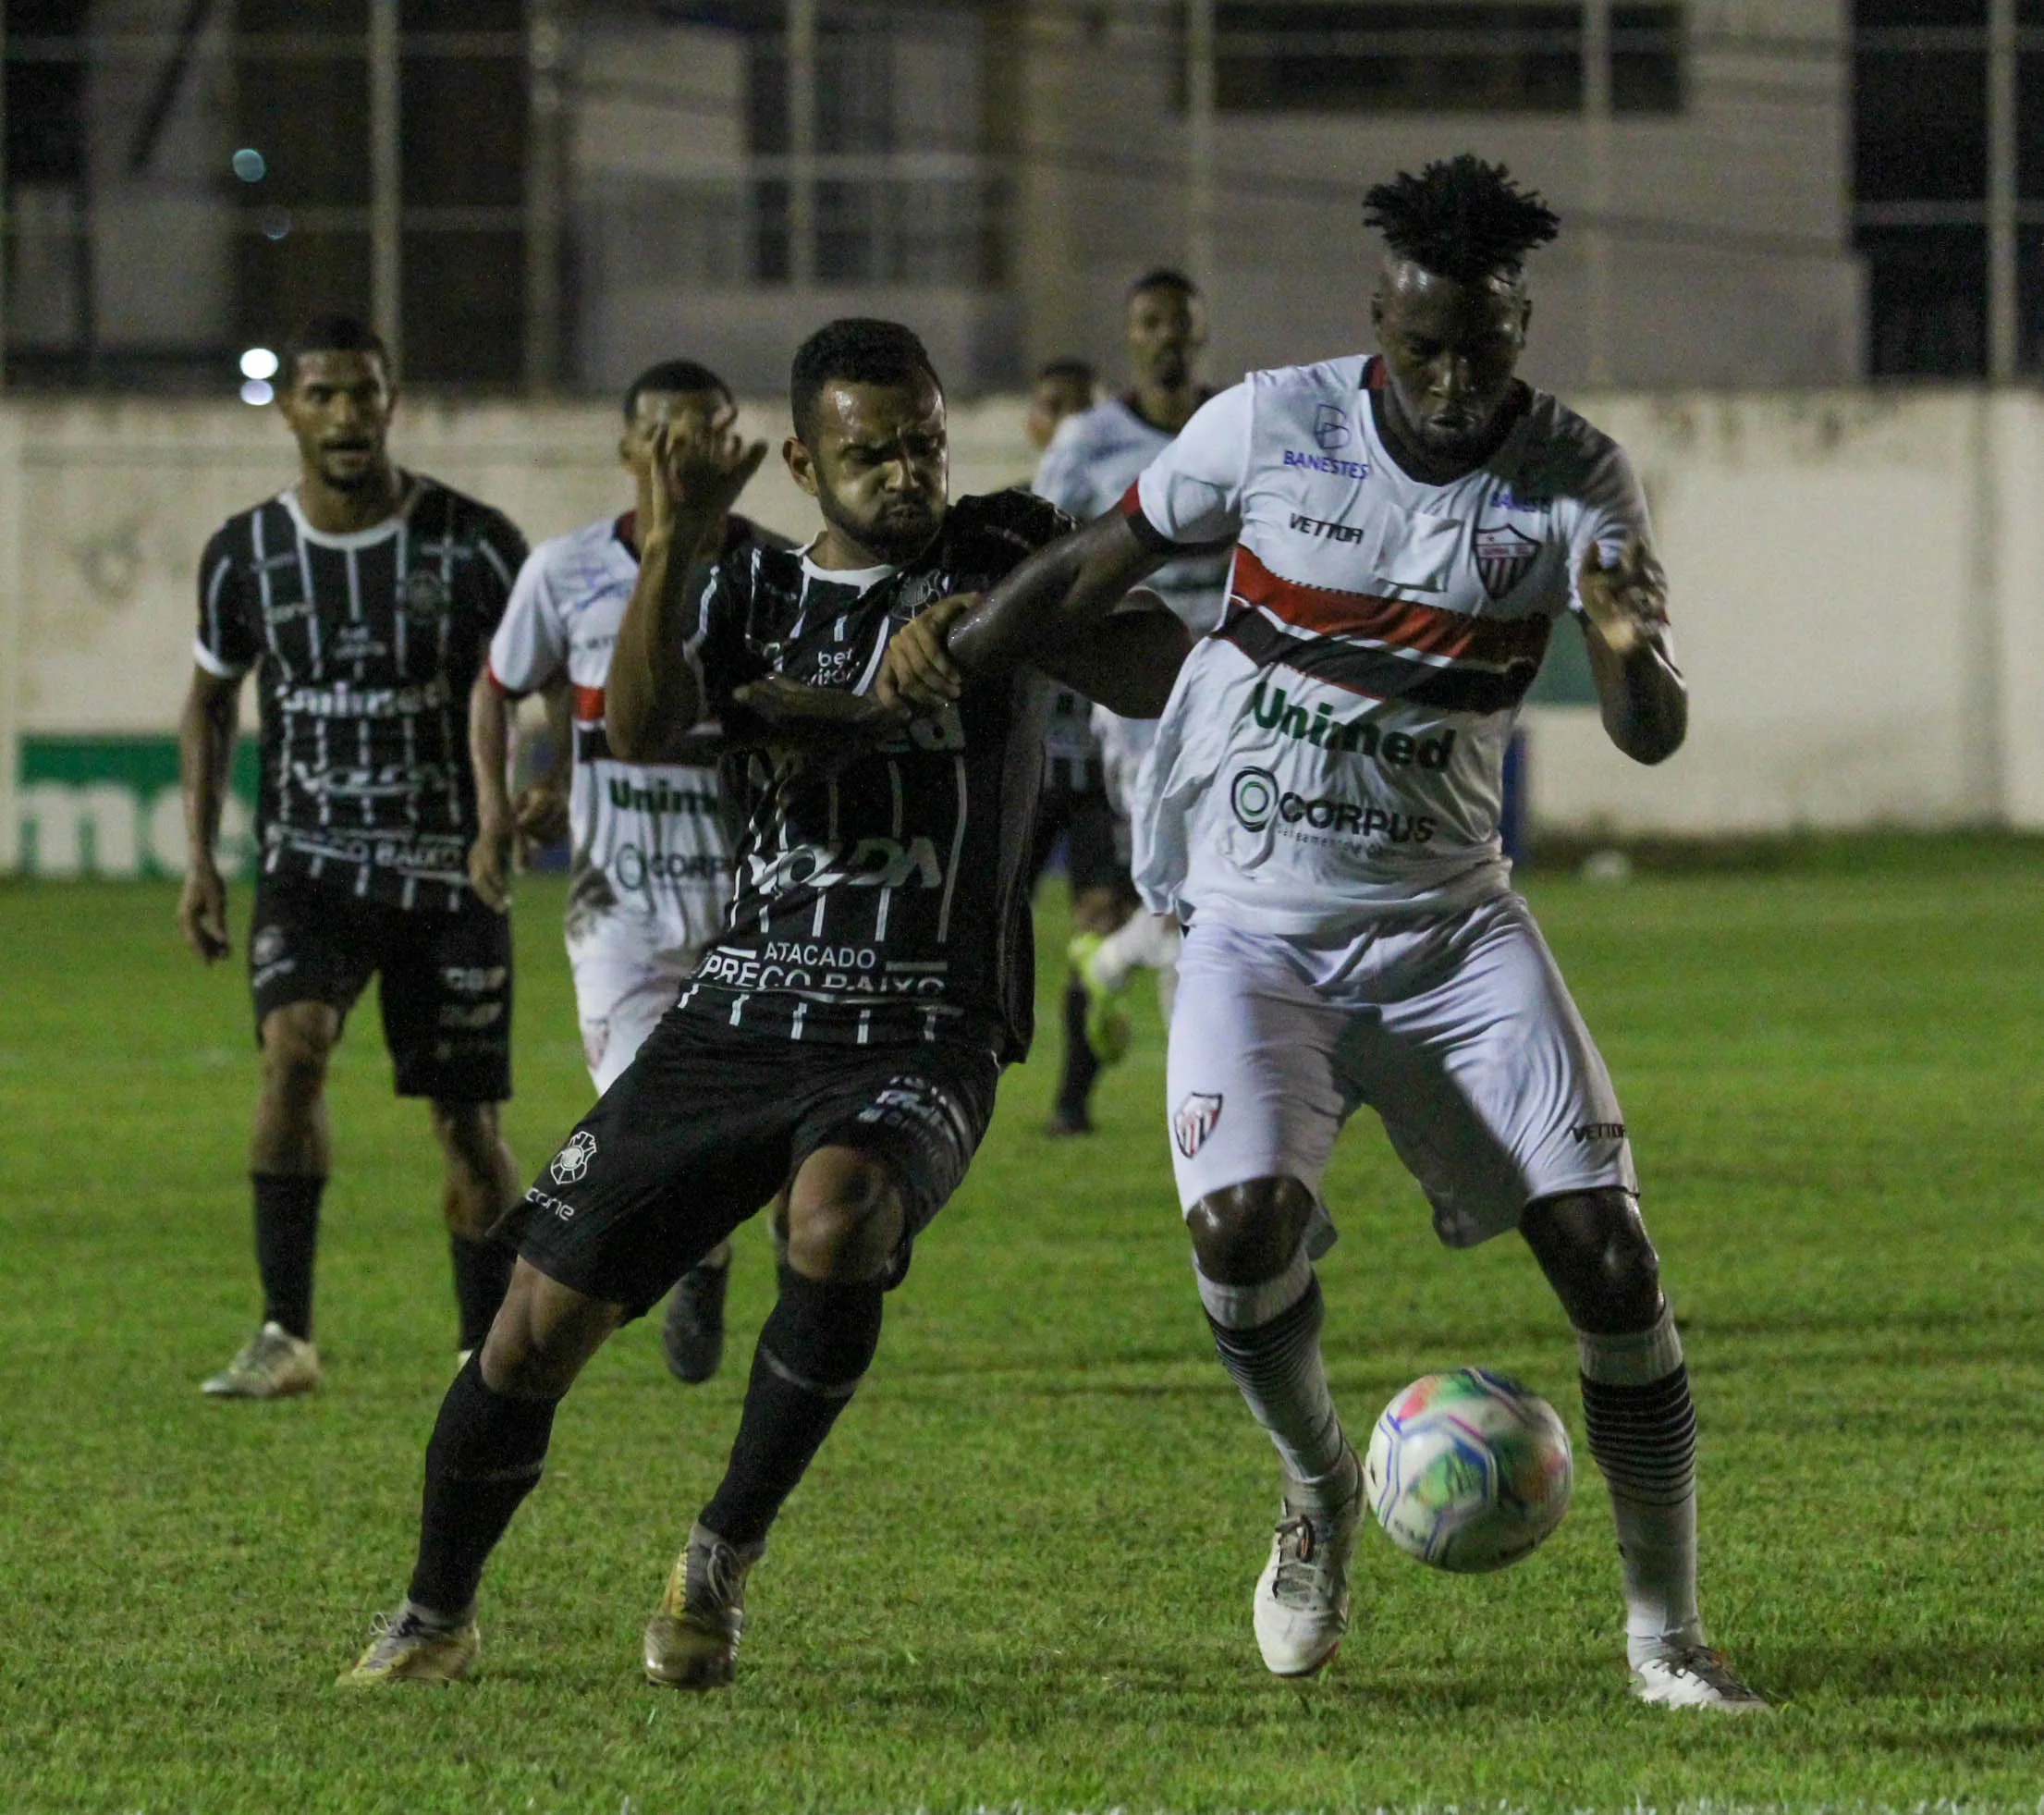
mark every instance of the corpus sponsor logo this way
{"type": "Point", "coordinates": [636, 869]}
{"type": "Point", "coordinates": [1325, 531]}
{"type": "Point", "coordinates": [1269, 707]}
{"type": "Point", "coordinates": [659, 798]}
{"type": "Point", "coordinates": [1259, 803]}
{"type": "Point", "coordinates": [573, 1159]}
{"type": "Point", "coordinates": [1327, 463]}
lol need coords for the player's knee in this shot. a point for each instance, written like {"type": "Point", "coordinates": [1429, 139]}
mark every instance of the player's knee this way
{"type": "Point", "coordinates": [1595, 1251]}
{"type": "Point", "coordinates": [298, 1042]}
{"type": "Point", "coordinates": [843, 1217]}
{"type": "Point", "coordinates": [1248, 1232]}
{"type": "Point", "coordinates": [543, 1336]}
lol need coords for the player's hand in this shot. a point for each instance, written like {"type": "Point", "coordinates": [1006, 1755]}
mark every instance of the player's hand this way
{"type": "Point", "coordinates": [786, 705]}
{"type": "Point", "coordinates": [202, 911]}
{"type": "Point", "coordinates": [1627, 601]}
{"type": "Point", "coordinates": [917, 673]}
{"type": "Point", "coordinates": [490, 867]}
{"type": "Point", "coordinates": [541, 817]}
{"type": "Point", "coordinates": [698, 472]}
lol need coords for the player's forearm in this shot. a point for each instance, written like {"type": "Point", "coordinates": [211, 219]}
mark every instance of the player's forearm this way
{"type": "Point", "coordinates": [489, 751]}
{"type": "Point", "coordinates": [205, 759]}
{"type": "Point", "coordinates": [1060, 591]}
{"type": "Point", "coordinates": [560, 740]}
{"type": "Point", "coordinates": [650, 696]}
{"type": "Point", "coordinates": [1644, 700]}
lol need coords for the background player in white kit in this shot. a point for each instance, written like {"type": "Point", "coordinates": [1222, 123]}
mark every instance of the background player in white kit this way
{"type": "Point", "coordinates": [1328, 781]}
{"type": "Point", "coordinates": [650, 866]}
{"type": "Point", "coordinates": [1093, 458]}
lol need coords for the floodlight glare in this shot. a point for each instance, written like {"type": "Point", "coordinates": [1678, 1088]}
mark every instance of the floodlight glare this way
{"type": "Point", "coordinates": [259, 363]}
{"type": "Point", "coordinates": [256, 390]}
{"type": "Point", "coordinates": [249, 164]}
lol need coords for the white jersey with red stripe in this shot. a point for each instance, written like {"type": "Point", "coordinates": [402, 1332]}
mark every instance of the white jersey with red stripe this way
{"type": "Point", "coordinates": [652, 859]}
{"type": "Point", "coordinates": [1335, 750]}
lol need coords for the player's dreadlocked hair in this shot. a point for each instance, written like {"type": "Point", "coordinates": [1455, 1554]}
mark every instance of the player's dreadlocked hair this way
{"type": "Point", "coordinates": [1463, 219]}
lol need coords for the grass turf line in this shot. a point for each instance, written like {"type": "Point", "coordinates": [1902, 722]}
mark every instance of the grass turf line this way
{"type": "Point", "coordinates": [1019, 1575]}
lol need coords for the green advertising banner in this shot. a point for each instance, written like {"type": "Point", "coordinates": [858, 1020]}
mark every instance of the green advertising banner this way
{"type": "Point", "coordinates": [111, 806]}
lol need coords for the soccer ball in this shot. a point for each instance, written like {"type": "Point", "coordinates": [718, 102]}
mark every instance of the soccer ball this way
{"type": "Point", "coordinates": [1468, 1471]}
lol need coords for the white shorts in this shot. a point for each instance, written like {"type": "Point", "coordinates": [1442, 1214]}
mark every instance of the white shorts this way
{"type": "Point", "coordinates": [1456, 1028]}
{"type": "Point", "coordinates": [624, 982]}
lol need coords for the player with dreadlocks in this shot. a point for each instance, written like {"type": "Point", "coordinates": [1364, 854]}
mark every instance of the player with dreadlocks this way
{"type": "Point", "coordinates": [1410, 525]}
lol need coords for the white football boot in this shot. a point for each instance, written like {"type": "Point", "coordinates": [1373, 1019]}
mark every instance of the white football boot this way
{"type": "Point", "coordinates": [1693, 1676]}
{"type": "Point", "coordinates": [273, 1364]}
{"type": "Point", "coordinates": [1302, 1595]}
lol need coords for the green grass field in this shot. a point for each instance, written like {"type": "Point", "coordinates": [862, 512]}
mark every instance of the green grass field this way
{"type": "Point", "coordinates": [1018, 1575]}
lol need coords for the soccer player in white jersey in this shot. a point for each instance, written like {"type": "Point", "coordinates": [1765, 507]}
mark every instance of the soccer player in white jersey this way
{"type": "Point", "coordinates": [1327, 784]}
{"type": "Point", "coordinates": [650, 871]}
{"type": "Point", "coordinates": [1092, 460]}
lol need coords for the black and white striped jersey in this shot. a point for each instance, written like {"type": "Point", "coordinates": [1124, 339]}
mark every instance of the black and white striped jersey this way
{"type": "Point", "coordinates": [882, 897]}
{"type": "Point", "coordinates": [365, 646]}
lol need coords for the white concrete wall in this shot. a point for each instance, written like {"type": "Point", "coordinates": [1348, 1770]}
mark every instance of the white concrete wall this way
{"type": "Point", "coordinates": [1858, 584]}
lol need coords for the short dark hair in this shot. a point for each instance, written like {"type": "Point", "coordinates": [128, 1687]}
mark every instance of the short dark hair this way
{"type": "Point", "coordinates": [858, 351]}
{"type": "Point", "coordinates": [1164, 278]}
{"type": "Point", "coordinates": [332, 334]}
{"type": "Point", "coordinates": [674, 376]}
{"type": "Point", "coordinates": [1079, 371]}
{"type": "Point", "coordinates": [1461, 219]}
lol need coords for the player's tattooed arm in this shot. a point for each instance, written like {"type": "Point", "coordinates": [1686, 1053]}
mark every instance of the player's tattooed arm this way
{"type": "Point", "coordinates": [205, 755]}
{"type": "Point", "coordinates": [1035, 615]}
{"type": "Point", "coordinates": [652, 696]}
{"type": "Point", "coordinates": [1644, 700]}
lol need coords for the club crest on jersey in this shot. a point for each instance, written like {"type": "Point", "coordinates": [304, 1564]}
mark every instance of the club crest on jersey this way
{"type": "Point", "coordinates": [573, 1159]}
{"type": "Point", "coordinates": [1504, 557]}
{"type": "Point", "coordinates": [1193, 1121]}
{"type": "Point", "coordinates": [426, 594]}
{"type": "Point", "coordinates": [1330, 427]}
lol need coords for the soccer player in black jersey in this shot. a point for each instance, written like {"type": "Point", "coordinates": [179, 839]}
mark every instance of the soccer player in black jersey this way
{"type": "Point", "coordinates": [363, 599]}
{"type": "Point", "coordinates": [843, 1035]}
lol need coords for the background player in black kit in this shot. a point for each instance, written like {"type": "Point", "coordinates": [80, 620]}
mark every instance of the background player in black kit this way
{"type": "Point", "coordinates": [843, 1036]}
{"type": "Point", "coordinates": [363, 598]}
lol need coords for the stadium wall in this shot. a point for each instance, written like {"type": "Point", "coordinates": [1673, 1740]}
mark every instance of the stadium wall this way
{"type": "Point", "coordinates": [1858, 584]}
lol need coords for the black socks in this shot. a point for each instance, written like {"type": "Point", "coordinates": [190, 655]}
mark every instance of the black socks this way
{"type": "Point", "coordinates": [481, 1277]}
{"type": "Point", "coordinates": [287, 1237]}
{"type": "Point", "coordinates": [815, 1345]}
{"type": "Point", "coordinates": [1080, 1068]}
{"type": "Point", "coordinates": [487, 1453]}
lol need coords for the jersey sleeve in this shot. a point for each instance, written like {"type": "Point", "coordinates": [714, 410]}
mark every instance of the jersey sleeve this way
{"type": "Point", "coordinates": [1192, 493]}
{"type": "Point", "coordinates": [716, 648]}
{"type": "Point", "coordinates": [227, 646]}
{"type": "Point", "coordinates": [502, 551]}
{"type": "Point", "coordinates": [1611, 512]}
{"type": "Point", "coordinates": [529, 647]}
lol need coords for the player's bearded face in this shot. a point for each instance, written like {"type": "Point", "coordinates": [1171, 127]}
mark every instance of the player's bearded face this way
{"type": "Point", "coordinates": [339, 408]}
{"type": "Point", "coordinates": [1450, 351]}
{"type": "Point", "coordinates": [882, 465]}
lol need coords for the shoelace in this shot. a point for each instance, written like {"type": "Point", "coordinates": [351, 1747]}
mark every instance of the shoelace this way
{"type": "Point", "coordinates": [1706, 1664]}
{"type": "Point", "coordinates": [1299, 1578]}
{"type": "Point", "coordinates": [723, 1576]}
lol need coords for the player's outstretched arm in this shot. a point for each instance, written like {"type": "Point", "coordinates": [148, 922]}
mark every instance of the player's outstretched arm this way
{"type": "Point", "coordinates": [205, 757]}
{"type": "Point", "coordinates": [489, 752]}
{"type": "Point", "coordinates": [1645, 701]}
{"type": "Point", "coordinates": [652, 696]}
{"type": "Point", "coordinates": [1038, 612]}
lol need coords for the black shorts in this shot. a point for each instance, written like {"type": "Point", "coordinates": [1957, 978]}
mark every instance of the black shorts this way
{"type": "Point", "coordinates": [709, 1121]}
{"type": "Point", "coordinates": [446, 979]}
{"type": "Point", "coordinates": [1075, 805]}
